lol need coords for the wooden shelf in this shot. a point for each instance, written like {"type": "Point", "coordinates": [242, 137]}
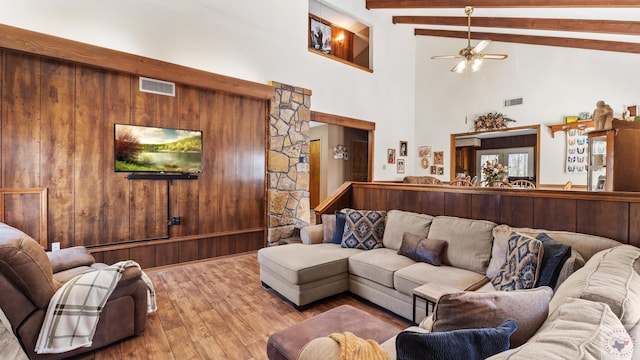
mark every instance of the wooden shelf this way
{"type": "Point", "coordinates": [565, 127]}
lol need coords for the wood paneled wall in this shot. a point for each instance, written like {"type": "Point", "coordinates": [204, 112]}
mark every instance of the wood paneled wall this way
{"type": "Point", "coordinates": [615, 215]}
{"type": "Point", "coordinates": [57, 124]}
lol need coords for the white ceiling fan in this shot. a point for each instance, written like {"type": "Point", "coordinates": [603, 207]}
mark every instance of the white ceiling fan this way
{"type": "Point", "coordinates": [471, 55]}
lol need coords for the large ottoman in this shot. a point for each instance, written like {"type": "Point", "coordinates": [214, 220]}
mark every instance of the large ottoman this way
{"type": "Point", "coordinates": [287, 343]}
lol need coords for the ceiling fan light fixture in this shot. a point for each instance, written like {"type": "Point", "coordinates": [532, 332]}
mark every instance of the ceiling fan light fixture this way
{"type": "Point", "coordinates": [471, 55]}
{"type": "Point", "coordinates": [475, 65]}
{"type": "Point", "coordinates": [459, 68]}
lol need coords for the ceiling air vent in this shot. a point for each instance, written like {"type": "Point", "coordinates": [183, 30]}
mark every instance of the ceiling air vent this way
{"type": "Point", "coordinates": [157, 86]}
{"type": "Point", "coordinates": [512, 102]}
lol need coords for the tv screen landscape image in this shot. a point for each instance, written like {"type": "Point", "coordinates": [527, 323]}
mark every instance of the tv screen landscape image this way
{"type": "Point", "coordinates": [156, 149]}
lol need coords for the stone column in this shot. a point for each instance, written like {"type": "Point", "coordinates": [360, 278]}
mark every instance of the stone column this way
{"type": "Point", "coordinates": [288, 166]}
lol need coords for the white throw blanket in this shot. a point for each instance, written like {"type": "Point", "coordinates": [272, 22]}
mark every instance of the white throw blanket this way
{"type": "Point", "coordinates": [74, 310]}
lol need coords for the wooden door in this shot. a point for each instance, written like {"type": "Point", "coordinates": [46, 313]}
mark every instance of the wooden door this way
{"type": "Point", "coordinates": [314, 173]}
{"type": "Point", "coordinates": [360, 160]}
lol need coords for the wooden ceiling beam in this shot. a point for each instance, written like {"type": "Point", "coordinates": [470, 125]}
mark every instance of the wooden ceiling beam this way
{"type": "Point", "coordinates": [589, 44]}
{"type": "Point", "coordinates": [424, 4]}
{"type": "Point", "coordinates": [576, 25]}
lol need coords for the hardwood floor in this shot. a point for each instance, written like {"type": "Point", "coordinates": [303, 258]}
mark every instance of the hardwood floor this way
{"type": "Point", "coordinates": [218, 310]}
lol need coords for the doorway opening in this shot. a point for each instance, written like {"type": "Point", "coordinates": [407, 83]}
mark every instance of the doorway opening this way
{"type": "Point", "coordinates": [340, 150]}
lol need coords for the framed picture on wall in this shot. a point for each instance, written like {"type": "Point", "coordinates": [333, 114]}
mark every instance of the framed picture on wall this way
{"type": "Point", "coordinates": [403, 148]}
{"type": "Point", "coordinates": [319, 35]}
{"type": "Point", "coordinates": [424, 151]}
{"type": "Point", "coordinates": [434, 170]}
{"type": "Point", "coordinates": [440, 170]}
{"type": "Point", "coordinates": [391, 156]}
{"type": "Point", "coordinates": [438, 158]}
{"type": "Point", "coordinates": [400, 168]}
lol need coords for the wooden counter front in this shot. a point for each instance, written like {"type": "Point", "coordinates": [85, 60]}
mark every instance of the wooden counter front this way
{"type": "Point", "coordinates": [614, 215]}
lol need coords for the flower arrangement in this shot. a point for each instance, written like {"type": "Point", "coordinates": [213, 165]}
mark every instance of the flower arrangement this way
{"type": "Point", "coordinates": [491, 121]}
{"type": "Point", "coordinates": [494, 171]}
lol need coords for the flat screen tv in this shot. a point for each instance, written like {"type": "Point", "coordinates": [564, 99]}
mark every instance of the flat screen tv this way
{"type": "Point", "coordinates": [156, 149]}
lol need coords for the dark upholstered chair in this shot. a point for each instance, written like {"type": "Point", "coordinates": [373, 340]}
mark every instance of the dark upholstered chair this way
{"type": "Point", "coordinates": [29, 277]}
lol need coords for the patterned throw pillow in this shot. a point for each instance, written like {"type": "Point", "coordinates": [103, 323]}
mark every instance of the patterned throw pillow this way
{"type": "Point", "coordinates": [363, 229]}
{"type": "Point", "coordinates": [520, 271]}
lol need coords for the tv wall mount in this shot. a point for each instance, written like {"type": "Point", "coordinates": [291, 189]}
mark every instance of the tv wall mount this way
{"type": "Point", "coordinates": [161, 176]}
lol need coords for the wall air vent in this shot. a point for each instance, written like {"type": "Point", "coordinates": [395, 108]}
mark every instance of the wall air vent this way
{"type": "Point", "coordinates": [513, 102]}
{"type": "Point", "coordinates": [157, 86]}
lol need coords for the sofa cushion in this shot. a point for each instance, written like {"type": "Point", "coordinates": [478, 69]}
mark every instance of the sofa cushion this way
{"type": "Point", "coordinates": [471, 309]}
{"type": "Point", "coordinates": [363, 229]}
{"type": "Point", "coordinates": [610, 277]}
{"type": "Point", "coordinates": [587, 245]}
{"type": "Point", "coordinates": [577, 329]}
{"type": "Point", "coordinates": [341, 219]}
{"type": "Point", "coordinates": [422, 249]}
{"type": "Point", "coordinates": [378, 265]}
{"type": "Point", "coordinates": [300, 264]}
{"type": "Point", "coordinates": [410, 277]}
{"type": "Point", "coordinates": [520, 271]}
{"type": "Point", "coordinates": [554, 256]}
{"type": "Point", "coordinates": [468, 241]}
{"type": "Point", "coordinates": [456, 344]}
{"type": "Point", "coordinates": [399, 222]}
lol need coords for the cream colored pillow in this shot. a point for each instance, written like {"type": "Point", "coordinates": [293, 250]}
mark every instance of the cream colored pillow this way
{"type": "Point", "coordinates": [501, 235]}
{"type": "Point", "coordinates": [328, 227]}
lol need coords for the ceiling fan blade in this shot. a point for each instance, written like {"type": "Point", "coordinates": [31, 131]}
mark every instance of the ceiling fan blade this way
{"type": "Point", "coordinates": [459, 68]}
{"type": "Point", "coordinates": [494, 56]}
{"type": "Point", "coordinates": [446, 57]}
{"type": "Point", "coordinates": [481, 46]}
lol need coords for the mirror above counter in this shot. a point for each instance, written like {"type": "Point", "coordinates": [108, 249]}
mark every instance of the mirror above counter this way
{"type": "Point", "coordinates": [517, 147]}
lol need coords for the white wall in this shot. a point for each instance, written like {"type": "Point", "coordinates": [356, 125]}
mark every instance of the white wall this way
{"type": "Point", "coordinates": [554, 82]}
{"type": "Point", "coordinates": [252, 40]}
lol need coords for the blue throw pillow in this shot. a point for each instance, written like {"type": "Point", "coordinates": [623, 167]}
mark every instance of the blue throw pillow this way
{"type": "Point", "coordinates": [341, 220]}
{"type": "Point", "coordinates": [468, 344]}
{"type": "Point", "coordinates": [554, 255]}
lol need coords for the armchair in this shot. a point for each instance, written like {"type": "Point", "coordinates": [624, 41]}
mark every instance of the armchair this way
{"type": "Point", "coordinates": [29, 277]}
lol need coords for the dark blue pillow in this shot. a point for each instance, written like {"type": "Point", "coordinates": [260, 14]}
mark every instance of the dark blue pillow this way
{"type": "Point", "coordinates": [341, 219]}
{"type": "Point", "coordinates": [554, 255]}
{"type": "Point", "coordinates": [468, 344]}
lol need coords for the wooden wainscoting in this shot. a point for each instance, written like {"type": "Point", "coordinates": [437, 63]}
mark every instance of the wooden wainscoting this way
{"type": "Point", "coordinates": [614, 215]}
{"type": "Point", "coordinates": [57, 132]}
{"type": "Point", "coordinates": [26, 209]}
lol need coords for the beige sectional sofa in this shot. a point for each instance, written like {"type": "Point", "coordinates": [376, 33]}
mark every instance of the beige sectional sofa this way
{"type": "Point", "coordinates": [316, 269]}
{"type": "Point", "coordinates": [594, 314]}
{"type": "Point", "coordinates": [475, 251]}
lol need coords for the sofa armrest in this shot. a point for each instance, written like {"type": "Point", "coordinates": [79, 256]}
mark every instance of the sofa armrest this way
{"type": "Point", "coordinates": [69, 258]}
{"type": "Point", "coordinates": [311, 234]}
{"type": "Point", "coordinates": [427, 323]}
